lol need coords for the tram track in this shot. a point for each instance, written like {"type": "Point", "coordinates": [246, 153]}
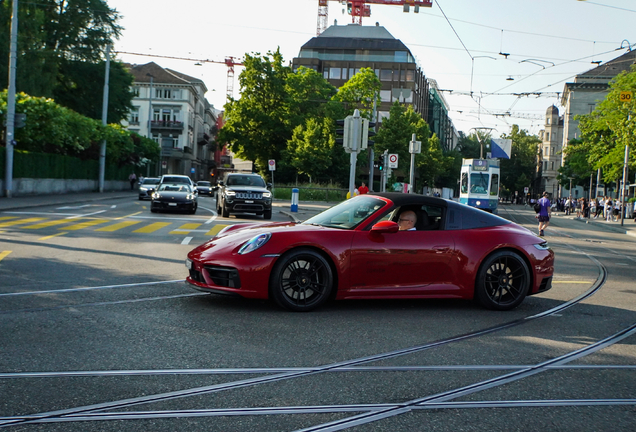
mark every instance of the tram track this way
{"type": "Point", "coordinates": [60, 415]}
{"type": "Point", "coordinates": [367, 413]}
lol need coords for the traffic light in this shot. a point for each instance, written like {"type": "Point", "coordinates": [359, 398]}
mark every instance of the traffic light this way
{"type": "Point", "coordinates": [345, 132]}
{"type": "Point", "coordinates": [381, 162]}
{"type": "Point", "coordinates": [367, 131]}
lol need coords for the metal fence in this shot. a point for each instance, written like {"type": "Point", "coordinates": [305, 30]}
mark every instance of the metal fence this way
{"type": "Point", "coordinates": [311, 193]}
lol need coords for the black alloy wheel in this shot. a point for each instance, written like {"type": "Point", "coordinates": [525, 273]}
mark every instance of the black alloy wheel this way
{"type": "Point", "coordinates": [503, 281]}
{"type": "Point", "coordinates": [301, 281]}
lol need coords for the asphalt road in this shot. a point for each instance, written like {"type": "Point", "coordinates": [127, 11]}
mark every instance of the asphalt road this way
{"type": "Point", "coordinates": [100, 333]}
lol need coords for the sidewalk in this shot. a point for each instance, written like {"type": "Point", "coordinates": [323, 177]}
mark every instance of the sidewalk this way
{"type": "Point", "coordinates": [628, 227]}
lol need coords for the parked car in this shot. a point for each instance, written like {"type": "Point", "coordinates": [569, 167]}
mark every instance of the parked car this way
{"type": "Point", "coordinates": [244, 193]}
{"type": "Point", "coordinates": [355, 250]}
{"type": "Point", "coordinates": [174, 197]}
{"type": "Point", "coordinates": [147, 186]}
{"type": "Point", "coordinates": [205, 188]}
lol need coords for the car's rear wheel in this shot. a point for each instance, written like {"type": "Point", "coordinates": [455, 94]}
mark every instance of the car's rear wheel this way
{"type": "Point", "coordinates": [301, 281]}
{"type": "Point", "coordinates": [503, 281]}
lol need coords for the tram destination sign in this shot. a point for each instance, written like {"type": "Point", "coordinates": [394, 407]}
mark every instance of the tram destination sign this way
{"type": "Point", "coordinates": [480, 165]}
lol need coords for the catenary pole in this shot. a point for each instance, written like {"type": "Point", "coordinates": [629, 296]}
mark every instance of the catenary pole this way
{"type": "Point", "coordinates": [10, 137]}
{"type": "Point", "coordinates": [102, 150]}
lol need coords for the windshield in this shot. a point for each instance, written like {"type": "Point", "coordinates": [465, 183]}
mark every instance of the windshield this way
{"type": "Point", "coordinates": [176, 180]}
{"type": "Point", "coordinates": [239, 180]}
{"type": "Point", "coordinates": [348, 214]}
{"type": "Point", "coordinates": [478, 183]}
{"type": "Point", "coordinates": [151, 181]}
{"type": "Point", "coordinates": [203, 183]}
{"type": "Point", "coordinates": [175, 188]}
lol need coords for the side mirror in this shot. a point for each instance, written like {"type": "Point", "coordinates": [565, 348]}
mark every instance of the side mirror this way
{"type": "Point", "coordinates": [221, 183]}
{"type": "Point", "coordinates": [269, 185]}
{"type": "Point", "coordinates": [385, 227]}
{"type": "Point", "coordinates": [215, 188]}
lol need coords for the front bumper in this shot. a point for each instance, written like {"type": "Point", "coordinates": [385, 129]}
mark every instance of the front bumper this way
{"type": "Point", "coordinates": [173, 205]}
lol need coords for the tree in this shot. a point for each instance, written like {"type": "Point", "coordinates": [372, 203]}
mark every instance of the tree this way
{"type": "Point", "coordinates": [61, 46]}
{"type": "Point", "coordinates": [517, 171]}
{"type": "Point", "coordinates": [396, 133]}
{"type": "Point", "coordinates": [311, 147]}
{"type": "Point", "coordinates": [257, 126]}
{"type": "Point", "coordinates": [609, 128]}
{"type": "Point", "coordinates": [362, 91]}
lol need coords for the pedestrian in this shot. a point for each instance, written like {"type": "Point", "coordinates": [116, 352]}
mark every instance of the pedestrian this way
{"type": "Point", "coordinates": [544, 213]}
{"type": "Point", "coordinates": [568, 206]}
{"type": "Point", "coordinates": [132, 178]}
{"type": "Point", "coordinates": [363, 189]}
{"type": "Point", "coordinates": [608, 209]}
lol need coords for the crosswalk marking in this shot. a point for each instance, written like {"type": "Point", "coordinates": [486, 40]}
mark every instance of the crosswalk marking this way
{"type": "Point", "coordinates": [19, 222]}
{"type": "Point", "coordinates": [117, 226]}
{"type": "Point", "coordinates": [186, 228]}
{"type": "Point", "coordinates": [51, 236]}
{"type": "Point", "coordinates": [215, 230]}
{"type": "Point", "coordinates": [7, 217]}
{"type": "Point", "coordinates": [152, 227]}
{"type": "Point", "coordinates": [48, 224]}
{"type": "Point", "coordinates": [4, 254]}
{"type": "Point", "coordinates": [83, 225]}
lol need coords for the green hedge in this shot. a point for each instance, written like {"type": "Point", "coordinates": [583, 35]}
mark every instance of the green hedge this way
{"type": "Point", "coordinates": [54, 166]}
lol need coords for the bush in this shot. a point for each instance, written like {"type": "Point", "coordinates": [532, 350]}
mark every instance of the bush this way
{"type": "Point", "coordinates": [311, 192]}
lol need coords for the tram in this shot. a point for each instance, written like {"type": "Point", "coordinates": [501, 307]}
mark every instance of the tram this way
{"type": "Point", "coordinates": [479, 184]}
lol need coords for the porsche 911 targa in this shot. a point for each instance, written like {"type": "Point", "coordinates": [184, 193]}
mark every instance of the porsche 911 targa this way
{"type": "Point", "coordinates": [356, 250]}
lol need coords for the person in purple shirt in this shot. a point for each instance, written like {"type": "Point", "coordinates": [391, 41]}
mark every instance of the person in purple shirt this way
{"type": "Point", "coordinates": [544, 213]}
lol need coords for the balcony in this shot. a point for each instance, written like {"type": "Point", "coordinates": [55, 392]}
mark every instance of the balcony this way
{"type": "Point", "coordinates": [203, 138]}
{"type": "Point", "coordinates": [166, 126]}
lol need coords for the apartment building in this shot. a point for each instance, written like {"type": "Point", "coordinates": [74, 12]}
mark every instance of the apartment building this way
{"type": "Point", "coordinates": [170, 108]}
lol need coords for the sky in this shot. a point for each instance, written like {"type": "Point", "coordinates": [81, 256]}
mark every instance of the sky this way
{"type": "Point", "coordinates": [458, 43]}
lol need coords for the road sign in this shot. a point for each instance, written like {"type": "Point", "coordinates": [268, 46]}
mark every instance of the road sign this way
{"type": "Point", "coordinates": [626, 96]}
{"type": "Point", "coordinates": [272, 164]}
{"type": "Point", "coordinates": [526, 190]}
{"type": "Point", "coordinates": [164, 164]}
{"type": "Point", "coordinates": [393, 160]}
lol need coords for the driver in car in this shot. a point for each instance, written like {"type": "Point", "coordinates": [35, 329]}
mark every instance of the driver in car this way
{"type": "Point", "coordinates": [407, 221]}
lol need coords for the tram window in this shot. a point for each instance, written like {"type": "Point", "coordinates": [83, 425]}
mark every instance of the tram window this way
{"type": "Point", "coordinates": [494, 185]}
{"type": "Point", "coordinates": [464, 187]}
{"type": "Point", "coordinates": [479, 183]}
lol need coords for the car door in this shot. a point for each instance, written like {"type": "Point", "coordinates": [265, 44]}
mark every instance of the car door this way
{"type": "Point", "coordinates": [409, 263]}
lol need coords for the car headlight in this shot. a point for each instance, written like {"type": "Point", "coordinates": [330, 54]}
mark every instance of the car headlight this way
{"type": "Point", "coordinates": [141, 188]}
{"type": "Point", "coordinates": [267, 194]}
{"type": "Point", "coordinates": [542, 246]}
{"type": "Point", "coordinates": [190, 197]}
{"type": "Point", "coordinates": [254, 243]}
{"type": "Point", "coordinates": [230, 193]}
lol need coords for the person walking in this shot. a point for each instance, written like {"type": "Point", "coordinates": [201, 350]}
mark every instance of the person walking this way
{"type": "Point", "coordinates": [544, 213]}
{"type": "Point", "coordinates": [132, 178]}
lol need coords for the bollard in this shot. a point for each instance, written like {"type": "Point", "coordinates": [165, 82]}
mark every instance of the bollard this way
{"type": "Point", "coordinates": [294, 200]}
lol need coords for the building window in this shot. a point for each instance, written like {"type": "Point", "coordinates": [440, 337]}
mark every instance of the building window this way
{"type": "Point", "coordinates": [553, 151]}
{"type": "Point", "coordinates": [133, 117]}
{"type": "Point", "coordinates": [386, 75]}
{"type": "Point", "coordinates": [385, 95]}
{"type": "Point", "coordinates": [325, 73]}
{"type": "Point", "coordinates": [383, 115]}
{"type": "Point", "coordinates": [548, 120]}
{"type": "Point", "coordinates": [352, 72]}
{"type": "Point", "coordinates": [547, 136]}
{"type": "Point", "coordinates": [552, 166]}
{"type": "Point", "coordinates": [334, 73]}
{"type": "Point", "coordinates": [403, 95]}
{"type": "Point", "coordinates": [135, 91]}
{"type": "Point", "coordinates": [546, 152]}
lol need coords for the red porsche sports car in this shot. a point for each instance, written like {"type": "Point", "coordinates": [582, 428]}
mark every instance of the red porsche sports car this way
{"type": "Point", "coordinates": [355, 250]}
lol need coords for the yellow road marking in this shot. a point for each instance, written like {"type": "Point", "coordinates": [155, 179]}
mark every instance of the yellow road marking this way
{"type": "Point", "coordinates": [51, 236]}
{"type": "Point", "coordinates": [152, 227]}
{"type": "Point", "coordinates": [215, 230]}
{"type": "Point", "coordinates": [7, 217]}
{"type": "Point", "coordinates": [48, 224]}
{"type": "Point", "coordinates": [86, 224]}
{"type": "Point", "coordinates": [124, 217]}
{"type": "Point", "coordinates": [573, 282]}
{"type": "Point", "coordinates": [185, 228]}
{"type": "Point", "coordinates": [118, 226]}
{"type": "Point", "coordinates": [4, 254]}
{"type": "Point", "coordinates": [21, 221]}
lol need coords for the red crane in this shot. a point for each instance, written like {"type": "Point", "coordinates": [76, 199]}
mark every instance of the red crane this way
{"type": "Point", "coordinates": [361, 8]}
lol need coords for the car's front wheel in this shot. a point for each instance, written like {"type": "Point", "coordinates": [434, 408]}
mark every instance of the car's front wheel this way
{"type": "Point", "coordinates": [267, 214]}
{"type": "Point", "coordinates": [301, 280]}
{"type": "Point", "coordinates": [503, 281]}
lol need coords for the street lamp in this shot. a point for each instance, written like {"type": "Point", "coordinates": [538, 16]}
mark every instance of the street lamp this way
{"type": "Point", "coordinates": [150, 104]}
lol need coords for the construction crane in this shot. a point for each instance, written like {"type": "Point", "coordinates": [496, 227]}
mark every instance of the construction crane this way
{"type": "Point", "coordinates": [361, 8]}
{"type": "Point", "coordinates": [230, 62]}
